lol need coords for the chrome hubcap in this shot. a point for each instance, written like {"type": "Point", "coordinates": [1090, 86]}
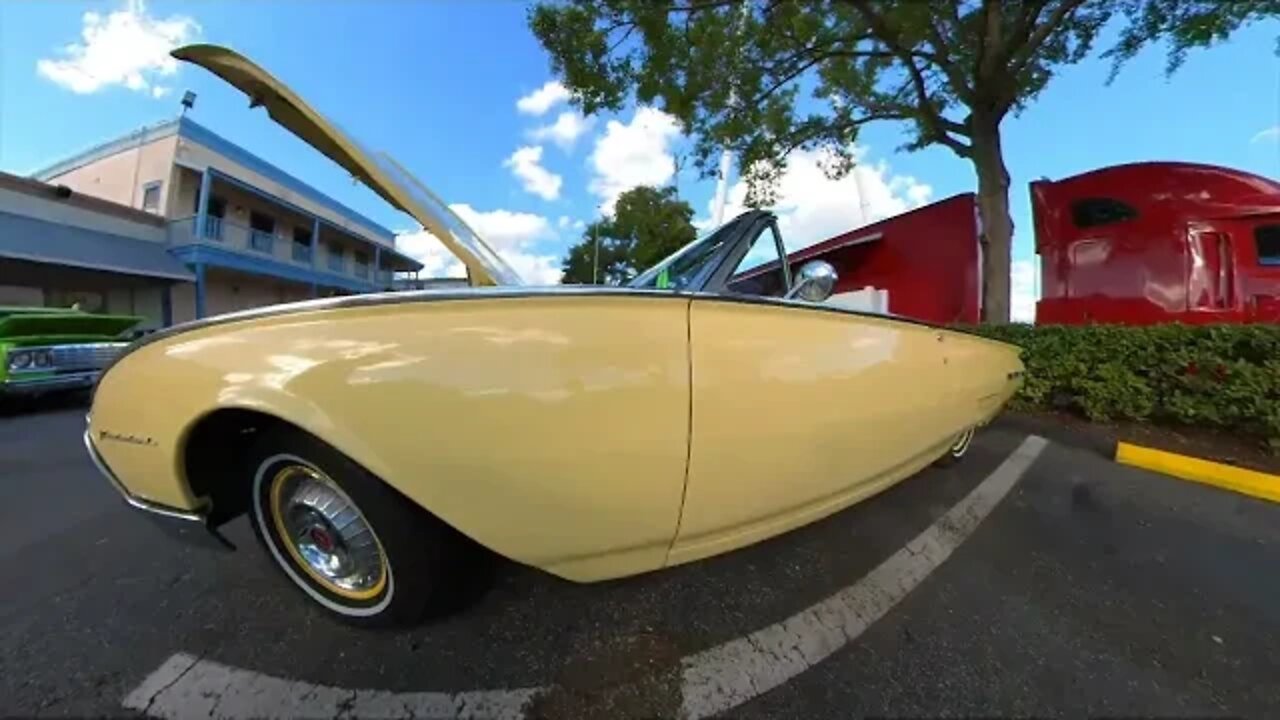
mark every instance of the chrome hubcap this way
{"type": "Point", "coordinates": [327, 533]}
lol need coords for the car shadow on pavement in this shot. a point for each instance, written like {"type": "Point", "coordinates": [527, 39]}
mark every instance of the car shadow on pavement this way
{"type": "Point", "coordinates": [39, 404]}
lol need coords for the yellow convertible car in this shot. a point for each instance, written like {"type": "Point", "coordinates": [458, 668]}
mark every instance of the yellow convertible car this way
{"type": "Point", "coordinates": [377, 441]}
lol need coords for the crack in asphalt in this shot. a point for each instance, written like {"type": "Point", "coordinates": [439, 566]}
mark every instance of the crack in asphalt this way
{"type": "Point", "coordinates": [152, 700]}
{"type": "Point", "coordinates": [347, 704]}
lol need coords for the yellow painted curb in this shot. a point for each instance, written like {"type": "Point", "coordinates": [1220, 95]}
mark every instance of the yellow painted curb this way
{"type": "Point", "coordinates": [1247, 482]}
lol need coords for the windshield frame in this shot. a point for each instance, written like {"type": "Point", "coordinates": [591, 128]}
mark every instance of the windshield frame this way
{"type": "Point", "coordinates": [730, 234]}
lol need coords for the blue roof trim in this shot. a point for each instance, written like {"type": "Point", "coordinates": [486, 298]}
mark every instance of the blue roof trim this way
{"type": "Point", "coordinates": [140, 136]}
{"type": "Point", "coordinates": [196, 132]}
{"type": "Point", "coordinates": [45, 241]}
{"type": "Point", "coordinates": [221, 257]}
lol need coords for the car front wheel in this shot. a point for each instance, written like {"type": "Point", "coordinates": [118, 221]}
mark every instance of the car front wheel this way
{"type": "Point", "coordinates": [350, 542]}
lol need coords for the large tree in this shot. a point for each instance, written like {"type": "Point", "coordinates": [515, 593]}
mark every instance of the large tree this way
{"type": "Point", "coordinates": [766, 77]}
{"type": "Point", "coordinates": [647, 224]}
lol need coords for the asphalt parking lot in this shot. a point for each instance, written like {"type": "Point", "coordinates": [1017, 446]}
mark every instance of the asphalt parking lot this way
{"type": "Point", "coordinates": [1088, 589]}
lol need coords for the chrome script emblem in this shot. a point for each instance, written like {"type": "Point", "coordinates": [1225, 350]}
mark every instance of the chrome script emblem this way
{"type": "Point", "coordinates": [130, 439]}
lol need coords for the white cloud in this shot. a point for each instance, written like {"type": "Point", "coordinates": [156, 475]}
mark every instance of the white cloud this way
{"type": "Point", "coordinates": [812, 207]}
{"type": "Point", "coordinates": [1022, 290]}
{"type": "Point", "coordinates": [505, 229]}
{"type": "Point", "coordinates": [128, 48]}
{"type": "Point", "coordinates": [634, 153]}
{"type": "Point", "coordinates": [567, 223]}
{"type": "Point", "coordinates": [543, 99]}
{"type": "Point", "coordinates": [510, 234]}
{"type": "Point", "coordinates": [525, 164]}
{"type": "Point", "coordinates": [565, 131]}
{"type": "Point", "coordinates": [1271, 134]}
{"type": "Point", "coordinates": [159, 91]}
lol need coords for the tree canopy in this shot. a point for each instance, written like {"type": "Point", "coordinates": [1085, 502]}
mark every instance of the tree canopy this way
{"type": "Point", "coordinates": [647, 225]}
{"type": "Point", "coordinates": [1185, 25]}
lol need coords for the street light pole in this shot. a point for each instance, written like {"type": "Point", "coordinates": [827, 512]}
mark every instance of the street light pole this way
{"type": "Point", "coordinates": [595, 258]}
{"type": "Point", "coordinates": [726, 157]}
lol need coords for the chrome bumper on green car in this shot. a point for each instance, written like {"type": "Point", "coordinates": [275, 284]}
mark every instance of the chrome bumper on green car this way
{"type": "Point", "coordinates": [174, 521]}
{"type": "Point", "coordinates": [48, 383]}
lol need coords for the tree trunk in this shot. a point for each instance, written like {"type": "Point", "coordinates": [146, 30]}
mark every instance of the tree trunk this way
{"type": "Point", "coordinates": [997, 225]}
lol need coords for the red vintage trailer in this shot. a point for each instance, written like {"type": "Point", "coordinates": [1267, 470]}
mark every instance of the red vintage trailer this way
{"type": "Point", "coordinates": [1158, 242]}
{"type": "Point", "coordinates": [926, 261]}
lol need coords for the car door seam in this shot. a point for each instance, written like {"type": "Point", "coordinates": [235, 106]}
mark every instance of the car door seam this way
{"type": "Point", "coordinates": [688, 453]}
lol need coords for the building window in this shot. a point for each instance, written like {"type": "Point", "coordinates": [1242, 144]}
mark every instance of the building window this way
{"type": "Point", "coordinates": [362, 264]}
{"type": "Point", "coordinates": [1092, 212]}
{"type": "Point", "coordinates": [262, 230]}
{"type": "Point", "coordinates": [151, 197]}
{"type": "Point", "coordinates": [1267, 240]}
{"type": "Point", "coordinates": [336, 261]}
{"type": "Point", "coordinates": [302, 244]}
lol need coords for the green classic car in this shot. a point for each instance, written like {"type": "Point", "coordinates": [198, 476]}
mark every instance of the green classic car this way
{"type": "Point", "coordinates": [50, 349]}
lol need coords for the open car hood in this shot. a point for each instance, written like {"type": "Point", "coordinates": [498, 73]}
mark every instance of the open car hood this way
{"type": "Point", "coordinates": [20, 323]}
{"type": "Point", "coordinates": [376, 170]}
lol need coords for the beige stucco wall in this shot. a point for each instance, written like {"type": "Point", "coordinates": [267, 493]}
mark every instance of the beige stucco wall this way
{"type": "Point", "coordinates": [120, 177]}
{"type": "Point", "coordinates": [149, 303]}
{"type": "Point", "coordinates": [186, 188]}
{"type": "Point", "coordinates": [225, 294]}
{"type": "Point", "coordinates": [183, 300]}
{"type": "Point", "coordinates": [229, 292]}
{"type": "Point", "coordinates": [198, 156]}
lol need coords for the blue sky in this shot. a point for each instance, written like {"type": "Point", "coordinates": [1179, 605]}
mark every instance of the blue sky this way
{"type": "Point", "coordinates": [437, 84]}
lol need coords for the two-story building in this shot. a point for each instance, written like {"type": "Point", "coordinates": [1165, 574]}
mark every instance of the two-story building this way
{"type": "Point", "coordinates": [249, 233]}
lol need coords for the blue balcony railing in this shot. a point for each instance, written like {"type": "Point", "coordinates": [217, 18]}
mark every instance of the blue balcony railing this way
{"type": "Point", "coordinates": [262, 241]}
{"type": "Point", "coordinates": [233, 237]}
{"type": "Point", "coordinates": [213, 227]}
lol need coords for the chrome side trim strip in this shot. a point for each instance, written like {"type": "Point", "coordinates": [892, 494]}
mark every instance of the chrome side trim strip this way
{"type": "Point", "coordinates": [132, 499]}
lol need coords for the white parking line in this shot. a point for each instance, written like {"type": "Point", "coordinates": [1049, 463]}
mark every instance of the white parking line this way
{"type": "Point", "coordinates": [188, 687]}
{"type": "Point", "coordinates": [728, 675]}
{"type": "Point", "coordinates": [714, 680]}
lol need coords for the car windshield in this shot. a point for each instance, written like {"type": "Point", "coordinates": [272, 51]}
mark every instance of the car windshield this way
{"type": "Point", "coordinates": [683, 268]}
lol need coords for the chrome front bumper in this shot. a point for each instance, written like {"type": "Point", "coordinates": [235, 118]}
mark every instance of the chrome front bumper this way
{"type": "Point", "coordinates": [174, 520]}
{"type": "Point", "coordinates": [53, 383]}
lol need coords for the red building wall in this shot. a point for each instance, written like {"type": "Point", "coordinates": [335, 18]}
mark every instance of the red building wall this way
{"type": "Point", "coordinates": [927, 258]}
{"type": "Point", "coordinates": [1158, 242]}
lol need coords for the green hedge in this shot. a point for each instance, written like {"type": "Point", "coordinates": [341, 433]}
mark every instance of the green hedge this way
{"type": "Point", "coordinates": [1219, 376]}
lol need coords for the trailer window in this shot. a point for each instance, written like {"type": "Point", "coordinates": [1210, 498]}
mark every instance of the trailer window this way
{"type": "Point", "coordinates": [1092, 212]}
{"type": "Point", "coordinates": [1267, 239]}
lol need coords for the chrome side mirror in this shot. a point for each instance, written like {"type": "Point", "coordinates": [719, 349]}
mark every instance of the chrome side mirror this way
{"type": "Point", "coordinates": [814, 282]}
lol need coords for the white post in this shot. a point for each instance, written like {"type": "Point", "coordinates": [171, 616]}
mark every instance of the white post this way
{"type": "Point", "coordinates": [722, 188]}
{"type": "Point", "coordinates": [862, 196]}
{"type": "Point", "coordinates": [726, 157]}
